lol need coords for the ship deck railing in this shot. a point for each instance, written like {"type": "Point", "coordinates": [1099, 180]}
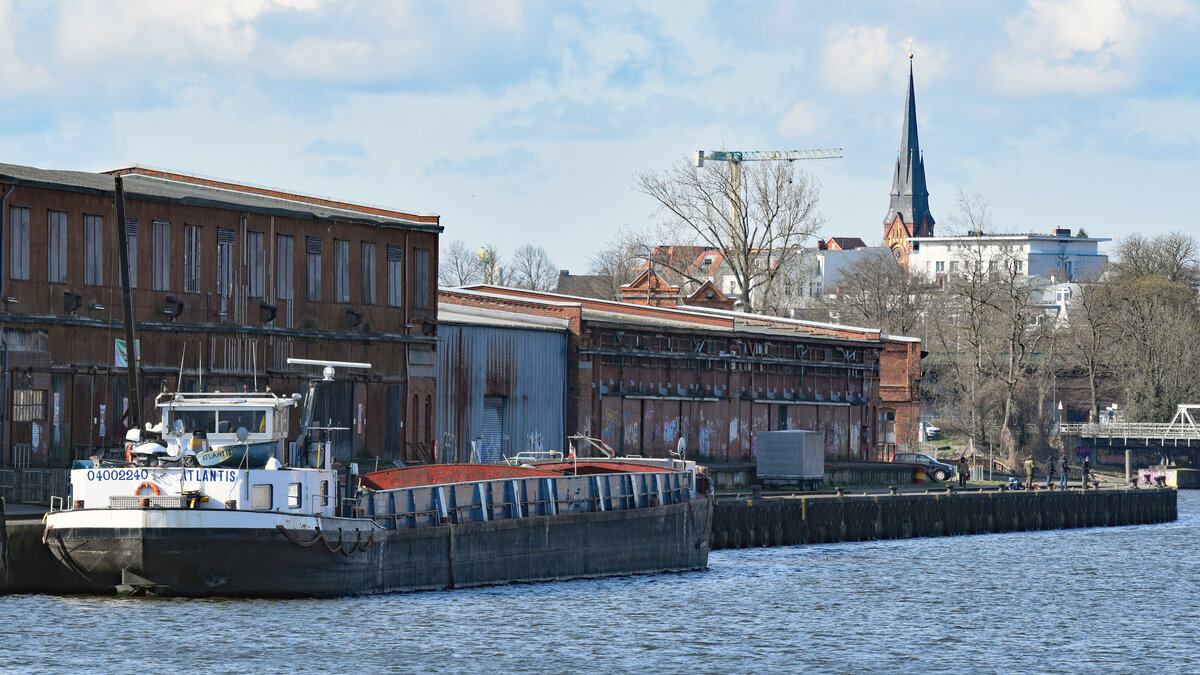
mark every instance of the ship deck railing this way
{"type": "Point", "coordinates": [481, 501]}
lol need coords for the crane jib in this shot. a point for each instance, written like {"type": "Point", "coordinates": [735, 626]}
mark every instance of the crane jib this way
{"type": "Point", "coordinates": [766, 155]}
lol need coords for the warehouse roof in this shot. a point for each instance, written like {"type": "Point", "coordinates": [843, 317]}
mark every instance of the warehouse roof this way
{"type": "Point", "coordinates": [158, 185]}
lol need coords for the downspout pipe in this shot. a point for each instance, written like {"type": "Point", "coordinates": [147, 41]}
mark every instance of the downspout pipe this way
{"type": "Point", "coordinates": [3, 335]}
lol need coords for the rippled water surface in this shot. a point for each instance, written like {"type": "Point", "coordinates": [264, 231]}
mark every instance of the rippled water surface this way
{"type": "Point", "coordinates": [1095, 600]}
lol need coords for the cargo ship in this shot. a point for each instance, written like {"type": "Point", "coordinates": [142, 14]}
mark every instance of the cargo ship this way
{"type": "Point", "coordinates": [212, 501]}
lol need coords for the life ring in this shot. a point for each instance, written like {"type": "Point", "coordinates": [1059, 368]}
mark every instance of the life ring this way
{"type": "Point", "coordinates": [147, 484]}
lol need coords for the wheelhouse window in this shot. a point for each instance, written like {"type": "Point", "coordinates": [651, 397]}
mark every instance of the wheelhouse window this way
{"type": "Point", "coordinates": [295, 495]}
{"type": "Point", "coordinates": [261, 497]}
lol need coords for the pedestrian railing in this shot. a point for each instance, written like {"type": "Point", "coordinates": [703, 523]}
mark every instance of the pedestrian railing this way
{"type": "Point", "coordinates": [34, 486]}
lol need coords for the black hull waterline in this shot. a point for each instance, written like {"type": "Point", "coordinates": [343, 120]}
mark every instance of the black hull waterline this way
{"type": "Point", "coordinates": [277, 562]}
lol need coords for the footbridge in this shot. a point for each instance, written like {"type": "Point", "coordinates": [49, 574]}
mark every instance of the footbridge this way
{"type": "Point", "coordinates": [1181, 432]}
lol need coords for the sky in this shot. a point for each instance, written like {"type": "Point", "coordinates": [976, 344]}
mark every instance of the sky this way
{"type": "Point", "coordinates": [526, 122]}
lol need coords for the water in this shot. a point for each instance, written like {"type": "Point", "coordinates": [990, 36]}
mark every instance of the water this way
{"type": "Point", "coordinates": [1095, 600]}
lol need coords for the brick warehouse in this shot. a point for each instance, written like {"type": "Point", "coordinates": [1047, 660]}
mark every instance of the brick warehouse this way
{"type": "Point", "coordinates": [227, 281]}
{"type": "Point", "coordinates": [639, 377]}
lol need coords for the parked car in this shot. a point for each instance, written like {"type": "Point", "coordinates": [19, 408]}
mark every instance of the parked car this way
{"type": "Point", "coordinates": [936, 470]}
{"type": "Point", "coordinates": [931, 432]}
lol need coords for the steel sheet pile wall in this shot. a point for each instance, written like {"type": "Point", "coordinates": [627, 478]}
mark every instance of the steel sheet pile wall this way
{"type": "Point", "coordinates": [525, 368]}
{"type": "Point", "coordinates": [819, 520]}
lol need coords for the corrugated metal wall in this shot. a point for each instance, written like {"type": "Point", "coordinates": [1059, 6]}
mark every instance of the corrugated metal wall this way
{"type": "Point", "coordinates": [528, 368]}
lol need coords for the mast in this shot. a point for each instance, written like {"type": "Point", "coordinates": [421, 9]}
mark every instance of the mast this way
{"type": "Point", "coordinates": [135, 397]}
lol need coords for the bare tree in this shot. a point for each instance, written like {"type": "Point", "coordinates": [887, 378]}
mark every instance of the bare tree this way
{"type": "Point", "coordinates": [531, 268]}
{"type": "Point", "coordinates": [616, 264]}
{"type": "Point", "coordinates": [1093, 330]}
{"type": "Point", "coordinates": [1160, 364]}
{"type": "Point", "coordinates": [757, 216]}
{"type": "Point", "coordinates": [1174, 256]}
{"type": "Point", "coordinates": [877, 292]}
{"type": "Point", "coordinates": [491, 266]}
{"type": "Point", "coordinates": [458, 265]}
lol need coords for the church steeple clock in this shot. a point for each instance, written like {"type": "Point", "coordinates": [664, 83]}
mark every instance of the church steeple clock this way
{"type": "Point", "coordinates": [908, 216]}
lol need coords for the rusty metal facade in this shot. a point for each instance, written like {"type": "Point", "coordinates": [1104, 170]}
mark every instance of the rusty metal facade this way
{"type": "Point", "coordinates": [229, 326]}
{"type": "Point", "coordinates": [526, 369]}
{"type": "Point", "coordinates": [648, 386]}
{"type": "Point", "coordinates": [641, 378]}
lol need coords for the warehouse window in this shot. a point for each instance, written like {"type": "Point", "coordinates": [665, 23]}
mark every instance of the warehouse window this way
{"type": "Point", "coordinates": [161, 264]}
{"type": "Point", "coordinates": [191, 259]}
{"type": "Point", "coordinates": [93, 250]}
{"type": "Point", "coordinates": [395, 262]}
{"type": "Point", "coordinates": [29, 405]}
{"type": "Point", "coordinates": [131, 232]}
{"type": "Point", "coordinates": [421, 278]}
{"type": "Point", "coordinates": [284, 245]}
{"type": "Point", "coordinates": [368, 273]}
{"type": "Point", "coordinates": [313, 246]}
{"type": "Point", "coordinates": [226, 239]}
{"type": "Point", "coordinates": [341, 270]}
{"type": "Point", "coordinates": [56, 237]}
{"type": "Point", "coordinates": [19, 253]}
{"type": "Point", "coordinates": [255, 264]}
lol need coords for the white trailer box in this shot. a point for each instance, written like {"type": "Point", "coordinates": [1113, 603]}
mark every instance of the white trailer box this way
{"type": "Point", "coordinates": [791, 457]}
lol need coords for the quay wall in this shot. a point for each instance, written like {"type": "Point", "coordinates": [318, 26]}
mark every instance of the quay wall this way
{"type": "Point", "coordinates": [788, 521]}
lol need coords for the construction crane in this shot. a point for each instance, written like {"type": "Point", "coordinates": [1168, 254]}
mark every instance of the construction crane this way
{"type": "Point", "coordinates": [737, 156]}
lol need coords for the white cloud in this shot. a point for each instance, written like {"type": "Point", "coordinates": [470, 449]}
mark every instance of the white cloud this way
{"type": "Point", "coordinates": [1158, 125]}
{"type": "Point", "coordinates": [1070, 46]}
{"type": "Point", "coordinates": [857, 59]}
{"type": "Point", "coordinates": [800, 120]}
{"type": "Point", "coordinates": [16, 76]}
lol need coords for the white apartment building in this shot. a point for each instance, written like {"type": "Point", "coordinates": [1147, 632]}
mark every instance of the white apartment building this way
{"type": "Point", "coordinates": [1057, 256]}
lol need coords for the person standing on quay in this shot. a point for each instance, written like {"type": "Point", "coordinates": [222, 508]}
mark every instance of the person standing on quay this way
{"type": "Point", "coordinates": [1087, 469]}
{"type": "Point", "coordinates": [963, 469]}
{"type": "Point", "coordinates": [1050, 462]}
{"type": "Point", "coordinates": [1062, 472]}
{"type": "Point", "coordinates": [1029, 473]}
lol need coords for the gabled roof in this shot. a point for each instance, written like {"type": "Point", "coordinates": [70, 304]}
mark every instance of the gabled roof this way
{"type": "Point", "coordinates": [650, 280]}
{"type": "Point", "coordinates": [164, 186]}
{"type": "Point", "coordinates": [845, 243]}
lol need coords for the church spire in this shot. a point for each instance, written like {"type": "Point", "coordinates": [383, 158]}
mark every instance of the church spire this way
{"type": "Point", "coordinates": [910, 198]}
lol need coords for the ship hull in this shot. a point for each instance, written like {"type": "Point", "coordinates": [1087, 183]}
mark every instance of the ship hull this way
{"type": "Point", "coordinates": [250, 554]}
